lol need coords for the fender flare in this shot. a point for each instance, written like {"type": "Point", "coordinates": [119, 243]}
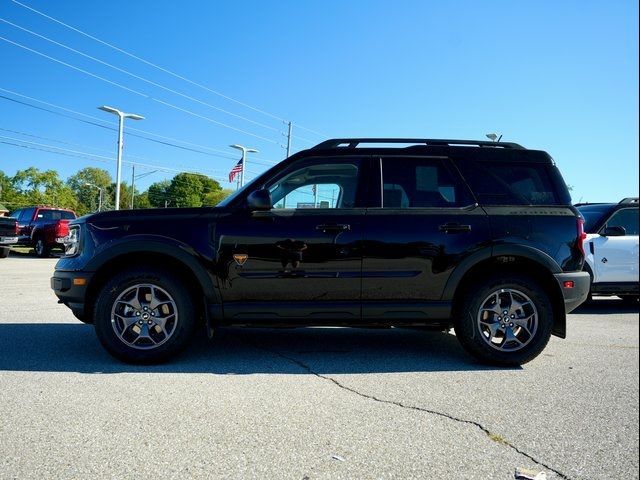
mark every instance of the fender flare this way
{"type": "Point", "coordinates": [495, 251]}
{"type": "Point", "coordinates": [142, 244]}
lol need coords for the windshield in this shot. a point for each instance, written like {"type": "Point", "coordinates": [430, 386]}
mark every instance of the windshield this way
{"type": "Point", "coordinates": [592, 214]}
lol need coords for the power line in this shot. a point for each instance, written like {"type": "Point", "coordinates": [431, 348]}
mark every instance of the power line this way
{"type": "Point", "coordinates": [119, 85]}
{"type": "Point", "coordinates": [138, 76]}
{"type": "Point", "coordinates": [161, 68]}
{"type": "Point", "coordinates": [129, 129]}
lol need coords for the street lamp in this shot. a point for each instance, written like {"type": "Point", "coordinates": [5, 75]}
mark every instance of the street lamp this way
{"type": "Point", "coordinates": [121, 116]}
{"type": "Point", "coordinates": [493, 137]}
{"type": "Point", "coordinates": [99, 194]}
{"type": "Point", "coordinates": [244, 150]}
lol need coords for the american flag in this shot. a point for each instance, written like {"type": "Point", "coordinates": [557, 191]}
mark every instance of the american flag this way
{"type": "Point", "coordinates": [235, 170]}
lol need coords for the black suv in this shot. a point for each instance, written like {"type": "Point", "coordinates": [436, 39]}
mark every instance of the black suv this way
{"type": "Point", "coordinates": [478, 236]}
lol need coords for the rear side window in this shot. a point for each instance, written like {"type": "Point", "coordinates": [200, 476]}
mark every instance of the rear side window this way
{"type": "Point", "coordinates": [409, 182]}
{"type": "Point", "coordinates": [501, 183]}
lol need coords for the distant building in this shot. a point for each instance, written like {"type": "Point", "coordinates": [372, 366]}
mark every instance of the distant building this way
{"type": "Point", "coordinates": [3, 211]}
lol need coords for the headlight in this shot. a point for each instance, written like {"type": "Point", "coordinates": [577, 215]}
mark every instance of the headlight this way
{"type": "Point", "coordinates": [72, 241]}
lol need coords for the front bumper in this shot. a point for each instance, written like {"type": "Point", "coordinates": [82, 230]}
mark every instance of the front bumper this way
{"type": "Point", "coordinates": [577, 293]}
{"type": "Point", "coordinates": [71, 289]}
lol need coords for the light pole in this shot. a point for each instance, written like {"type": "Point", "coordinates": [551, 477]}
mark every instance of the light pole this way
{"type": "Point", "coordinates": [244, 150]}
{"type": "Point", "coordinates": [493, 137]}
{"type": "Point", "coordinates": [99, 194]}
{"type": "Point", "coordinates": [121, 116]}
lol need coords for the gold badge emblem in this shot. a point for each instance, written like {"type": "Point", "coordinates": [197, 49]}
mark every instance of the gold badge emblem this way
{"type": "Point", "coordinates": [240, 258]}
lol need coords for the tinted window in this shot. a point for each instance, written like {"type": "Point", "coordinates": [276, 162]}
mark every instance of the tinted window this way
{"type": "Point", "coordinates": [15, 214]}
{"type": "Point", "coordinates": [626, 218]}
{"type": "Point", "coordinates": [497, 183]}
{"type": "Point", "coordinates": [592, 215]}
{"type": "Point", "coordinates": [420, 183]}
{"type": "Point", "coordinates": [27, 215]}
{"type": "Point", "coordinates": [317, 185]}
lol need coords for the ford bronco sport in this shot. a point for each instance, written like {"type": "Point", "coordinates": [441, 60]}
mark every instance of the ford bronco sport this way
{"type": "Point", "coordinates": [478, 236]}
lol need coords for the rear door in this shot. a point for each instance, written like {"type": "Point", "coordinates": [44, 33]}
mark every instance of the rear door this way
{"type": "Point", "coordinates": [424, 223]}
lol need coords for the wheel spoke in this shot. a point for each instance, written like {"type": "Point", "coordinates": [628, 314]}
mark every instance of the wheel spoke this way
{"type": "Point", "coordinates": [524, 323]}
{"type": "Point", "coordinates": [494, 328]}
{"type": "Point", "coordinates": [510, 337]}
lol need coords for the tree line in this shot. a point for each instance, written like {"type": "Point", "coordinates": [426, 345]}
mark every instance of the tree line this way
{"type": "Point", "coordinates": [81, 191]}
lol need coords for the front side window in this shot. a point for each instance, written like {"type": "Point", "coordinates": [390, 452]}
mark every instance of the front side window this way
{"type": "Point", "coordinates": [626, 218]}
{"type": "Point", "coordinates": [420, 183]}
{"type": "Point", "coordinates": [317, 185]}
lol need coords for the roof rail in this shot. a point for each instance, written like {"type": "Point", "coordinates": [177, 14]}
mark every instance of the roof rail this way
{"type": "Point", "coordinates": [429, 142]}
{"type": "Point", "coordinates": [629, 200]}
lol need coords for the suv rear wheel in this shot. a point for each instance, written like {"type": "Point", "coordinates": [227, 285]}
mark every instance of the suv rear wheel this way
{"type": "Point", "coordinates": [505, 320]}
{"type": "Point", "coordinates": [144, 316]}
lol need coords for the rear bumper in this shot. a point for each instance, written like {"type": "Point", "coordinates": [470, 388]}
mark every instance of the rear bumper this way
{"type": "Point", "coordinates": [67, 287]}
{"type": "Point", "coordinates": [577, 293]}
{"type": "Point", "coordinates": [5, 241]}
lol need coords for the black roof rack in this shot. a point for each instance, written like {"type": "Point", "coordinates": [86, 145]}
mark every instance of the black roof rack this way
{"type": "Point", "coordinates": [629, 200]}
{"type": "Point", "coordinates": [429, 142]}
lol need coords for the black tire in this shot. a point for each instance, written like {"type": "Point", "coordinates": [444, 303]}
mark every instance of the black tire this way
{"type": "Point", "coordinates": [120, 284]}
{"type": "Point", "coordinates": [41, 248]}
{"type": "Point", "coordinates": [4, 252]}
{"type": "Point", "coordinates": [468, 327]}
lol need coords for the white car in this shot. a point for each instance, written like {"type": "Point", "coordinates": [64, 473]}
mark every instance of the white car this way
{"type": "Point", "coordinates": [611, 247]}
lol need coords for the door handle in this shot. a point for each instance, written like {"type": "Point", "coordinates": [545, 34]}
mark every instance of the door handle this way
{"type": "Point", "coordinates": [454, 228]}
{"type": "Point", "coordinates": [335, 227]}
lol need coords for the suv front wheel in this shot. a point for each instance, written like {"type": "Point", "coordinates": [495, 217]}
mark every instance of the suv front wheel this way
{"type": "Point", "coordinates": [505, 320]}
{"type": "Point", "coordinates": [144, 315]}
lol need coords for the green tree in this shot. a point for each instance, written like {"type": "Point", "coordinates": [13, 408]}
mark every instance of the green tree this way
{"type": "Point", "coordinates": [158, 193]}
{"type": "Point", "coordinates": [191, 189]}
{"type": "Point", "coordinates": [215, 197]}
{"type": "Point", "coordinates": [43, 188]}
{"type": "Point", "coordinates": [85, 184]}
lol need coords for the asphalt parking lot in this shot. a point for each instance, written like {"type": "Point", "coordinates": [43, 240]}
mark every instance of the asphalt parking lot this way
{"type": "Point", "coordinates": [309, 403]}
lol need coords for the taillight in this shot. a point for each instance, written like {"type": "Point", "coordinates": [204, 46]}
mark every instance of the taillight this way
{"type": "Point", "coordinates": [17, 230]}
{"type": "Point", "coordinates": [61, 229]}
{"type": "Point", "coordinates": [581, 235]}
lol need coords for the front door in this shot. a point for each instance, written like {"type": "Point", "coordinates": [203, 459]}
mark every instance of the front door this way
{"type": "Point", "coordinates": [616, 258]}
{"type": "Point", "coordinates": [302, 260]}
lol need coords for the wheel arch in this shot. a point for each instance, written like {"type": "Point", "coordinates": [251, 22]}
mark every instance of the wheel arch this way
{"type": "Point", "coordinates": [539, 268]}
{"type": "Point", "coordinates": [176, 258]}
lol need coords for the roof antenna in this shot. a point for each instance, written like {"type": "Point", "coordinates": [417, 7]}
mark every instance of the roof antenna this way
{"type": "Point", "coordinates": [493, 137]}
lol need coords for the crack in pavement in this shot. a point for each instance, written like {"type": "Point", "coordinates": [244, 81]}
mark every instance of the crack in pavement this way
{"type": "Point", "coordinates": [491, 435]}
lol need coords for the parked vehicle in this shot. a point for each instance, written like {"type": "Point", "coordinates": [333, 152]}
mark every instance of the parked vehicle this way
{"type": "Point", "coordinates": [8, 235]}
{"type": "Point", "coordinates": [43, 228]}
{"type": "Point", "coordinates": [478, 236]}
{"type": "Point", "coordinates": [612, 247]}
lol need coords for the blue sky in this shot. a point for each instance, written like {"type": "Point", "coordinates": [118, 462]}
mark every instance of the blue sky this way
{"type": "Point", "coordinates": [557, 76]}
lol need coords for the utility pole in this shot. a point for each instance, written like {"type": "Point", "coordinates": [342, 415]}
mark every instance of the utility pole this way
{"type": "Point", "coordinates": [289, 139]}
{"type": "Point", "coordinates": [133, 180]}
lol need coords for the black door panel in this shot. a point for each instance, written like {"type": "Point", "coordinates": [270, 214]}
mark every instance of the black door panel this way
{"type": "Point", "coordinates": [290, 268]}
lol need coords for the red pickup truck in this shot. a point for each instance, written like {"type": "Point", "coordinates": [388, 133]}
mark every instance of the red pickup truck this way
{"type": "Point", "coordinates": [42, 228]}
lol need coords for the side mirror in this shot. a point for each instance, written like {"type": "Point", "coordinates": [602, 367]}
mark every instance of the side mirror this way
{"type": "Point", "coordinates": [259, 200]}
{"type": "Point", "coordinates": [616, 231]}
